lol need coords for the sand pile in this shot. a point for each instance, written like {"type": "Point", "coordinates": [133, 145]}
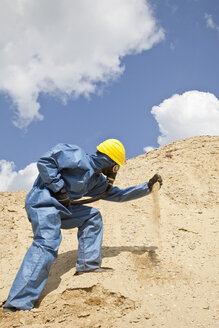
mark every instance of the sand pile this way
{"type": "Point", "coordinates": [166, 282]}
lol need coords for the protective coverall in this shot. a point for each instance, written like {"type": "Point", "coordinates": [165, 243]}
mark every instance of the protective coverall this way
{"type": "Point", "coordinates": [69, 166]}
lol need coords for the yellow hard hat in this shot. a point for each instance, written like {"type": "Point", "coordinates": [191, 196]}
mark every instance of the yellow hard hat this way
{"type": "Point", "coordinates": [114, 149]}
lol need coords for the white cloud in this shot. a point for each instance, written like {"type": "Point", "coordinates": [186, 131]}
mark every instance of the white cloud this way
{"type": "Point", "coordinates": [66, 47]}
{"type": "Point", "coordinates": [193, 113]}
{"type": "Point", "coordinates": [148, 148]}
{"type": "Point", "coordinates": [12, 180]}
{"type": "Point", "coordinates": [210, 23]}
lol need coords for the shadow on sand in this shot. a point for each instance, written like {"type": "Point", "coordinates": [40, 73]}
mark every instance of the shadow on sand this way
{"type": "Point", "coordinates": [66, 261]}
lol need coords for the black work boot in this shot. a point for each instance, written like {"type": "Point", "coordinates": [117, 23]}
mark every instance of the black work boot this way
{"type": "Point", "coordinates": [101, 269]}
{"type": "Point", "coordinates": [9, 310]}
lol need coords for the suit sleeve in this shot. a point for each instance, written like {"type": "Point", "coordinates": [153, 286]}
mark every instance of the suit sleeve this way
{"type": "Point", "coordinates": [127, 194]}
{"type": "Point", "coordinates": [51, 164]}
{"type": "Point", "coordinates": [49, 172]}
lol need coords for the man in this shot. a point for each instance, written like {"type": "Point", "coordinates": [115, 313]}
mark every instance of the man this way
{"type": "Point", "coordinates": [67, 173]}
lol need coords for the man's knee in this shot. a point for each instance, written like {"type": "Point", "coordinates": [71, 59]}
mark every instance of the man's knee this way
{"type": "Point", "coordinates": [49, 245]}
{"type": "Point", "coordinates": [95, 213]}
{"type": "Point", "coordinates": [96, 218]}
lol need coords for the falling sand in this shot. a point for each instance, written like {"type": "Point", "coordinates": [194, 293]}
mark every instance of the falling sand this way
{"type": "Point", "coordinates": [156, 210]}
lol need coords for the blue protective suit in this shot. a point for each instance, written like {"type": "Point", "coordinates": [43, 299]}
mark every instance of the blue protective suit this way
{"type": "Point", "coordinates": [69, 166]}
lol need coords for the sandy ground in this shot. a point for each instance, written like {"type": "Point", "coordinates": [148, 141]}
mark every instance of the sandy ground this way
{"type": "Point", "coordinates": [169, 281]}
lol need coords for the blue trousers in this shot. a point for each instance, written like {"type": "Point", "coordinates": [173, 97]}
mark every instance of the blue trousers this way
{"type": "Point", "coordinates": [46, 224]}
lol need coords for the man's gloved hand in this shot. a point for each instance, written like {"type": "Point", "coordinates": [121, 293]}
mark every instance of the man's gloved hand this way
{"type": "Point", "coordinates": [62, 197]}
{"type": "Point", "coordinates": [153, 180]}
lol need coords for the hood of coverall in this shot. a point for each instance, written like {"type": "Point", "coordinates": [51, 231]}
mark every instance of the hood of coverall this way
{"type": "Point", "coordinates": [99, 161]}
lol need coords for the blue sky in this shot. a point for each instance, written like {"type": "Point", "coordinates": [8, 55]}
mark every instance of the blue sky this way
{"type": "Point", "coordinates": [184, 59]}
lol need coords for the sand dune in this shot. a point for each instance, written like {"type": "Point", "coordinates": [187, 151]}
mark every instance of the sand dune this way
{"type": "Point", "coordinates": [158, 281]}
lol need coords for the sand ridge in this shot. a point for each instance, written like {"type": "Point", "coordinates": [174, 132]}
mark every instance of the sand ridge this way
{"type": "Point", "coordinates": [170, 281]}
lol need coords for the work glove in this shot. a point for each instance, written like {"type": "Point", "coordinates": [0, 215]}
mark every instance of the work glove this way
{"type": "Point", "coordinates": [153, 180]}
{"type": "Point", "coordinates": [62, 197]}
